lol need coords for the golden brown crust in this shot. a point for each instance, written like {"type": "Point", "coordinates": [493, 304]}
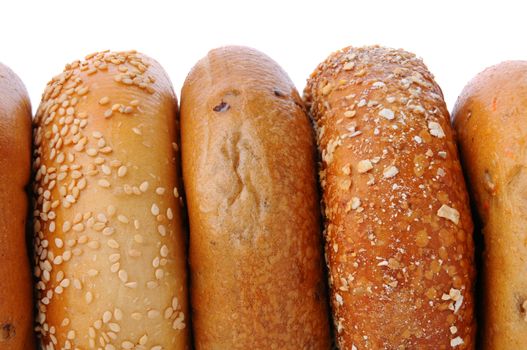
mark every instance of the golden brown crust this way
{"type": "Point", "coordinates": [248, 167]}
{"type": "Point", "coordinates": [109, 243]}
{"type": "Point", "coordinates": [489, 117]}
{"type": "Point", "coordinates": [16, 320]}
{"type": "Point", "coordinates": [398, 225]}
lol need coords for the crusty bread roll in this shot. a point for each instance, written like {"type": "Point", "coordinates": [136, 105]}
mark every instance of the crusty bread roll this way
{"type": "Point", "coordinates": [490, 119]}
{"type": "Point", "coordinates": [249, 173]}
{"type": "Point", "coordinates": [16, 305]}
{"type": "Point", "coordinates": [109, 243]}
{"type": "Point", "coordinates": [398, 228]}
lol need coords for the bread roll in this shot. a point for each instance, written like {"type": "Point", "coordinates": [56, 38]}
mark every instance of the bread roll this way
{"type": "Point", "coordinates": [249, 173]}
{"type": "Point", "coordinates": [398, 227]}
{"type": "Point", "coordinates": [16, 305]}
{"type": "Point", "coordinates": [490, 118]}
{"type": "Point", "coordinates": [109, 243]}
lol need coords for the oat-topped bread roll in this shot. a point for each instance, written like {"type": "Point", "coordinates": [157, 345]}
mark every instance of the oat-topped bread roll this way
{"type": "Point", "coordinates": [109, 244]}
{"type": "Point", "coordinates": [490, 117]}
{"type": "Point", "coordinates": [249, 171]}
{"type": "Point", "coordinates": [398, 228]}
{"type": "Point", "coordinates": [16, 305]}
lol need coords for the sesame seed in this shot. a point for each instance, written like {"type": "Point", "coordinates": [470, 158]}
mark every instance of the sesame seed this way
{"type": "Point", "coordinates": [137, 316]}
{"type": "Point", "coordinates": [93, 272]}
{"type": "Point", "coordinates": [77, 284]}
{"type": "Point", "coordinates": [93, 244]}
{"type": "Point", "coordinates": [162, 230]}
{"type": "Point", "coordinates": [88, 297]}
{"type": "Point", "coordinates": [112, 243]}
{"type": "Point", "coordinates": [110, 210]}
{"type": "Point", "coordinates": [106, 169]}
{"type": "Point", "coordinates": [144, 187]}
{"type": "Point", "coordinates": [170, 214]}
{"type": "Point", "coordinates": [114, 327]}
{"type": "Point", "coordinates": [66, 255]}
{"type": "Point", "coordinates": [118, 314]}
{"type": "Point", "coordinates": [103, 183]}
{"type": "Point", "coordinates": [108, 113]}
{"type": "Point", "coordinates": [78, 227]}
{"type": "Point", "coordinates": [115, 267]}
{"type": "Point", "coordinates": [131, 285]}
{"type": "Point", "coordinates": [108, 231]}
{"type": "Point", "coordinates": [127, 345]}
{"type": "Point", "coordinates": [164, 251]}
{"type": "Point", "coordinates": [106, 316]}
{"type": "Point", "coordinates": [154, 209]}
{"type": "Point", "coordinates": [65, 283]}
{"type": "Point", "coordinates": [123, 219]}
{"type": "Point", "coordinates": [114, 257]}
{"type": "Point", "coordinates": [123, 276]}
{"type": "Point", "coordinates": [122, 171]}
{"type": "Point", "coordinates": [151, 284]}
{"type": "Point", "coordinates": [159, 274]}
{"type": "Point", "coordinates": [168, 313]}
{"type": "Point", "coordinates": [160, 190]}
{"type": "Point", "coordinates": [153, 314]}
{"type": "Point", "coordinates": [104, 100]}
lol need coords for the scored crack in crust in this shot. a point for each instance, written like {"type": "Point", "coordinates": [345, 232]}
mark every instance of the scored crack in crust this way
{"type": "Point", "coordinates": [398, 227]}
{"type": "Point", "coordinates": [109, 243]}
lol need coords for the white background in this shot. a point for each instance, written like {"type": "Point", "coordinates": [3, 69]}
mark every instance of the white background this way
{"type": "Point", "coordinates": [456, 39]}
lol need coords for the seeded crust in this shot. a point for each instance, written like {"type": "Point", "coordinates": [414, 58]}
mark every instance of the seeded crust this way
{"type": "Point", "coordinates": [398, 228]}
{"type": "Point", "coordinates": [489, 117]}
{"type": "Point", "coordinates": [249, 172]}
{"type": "Point", "coordinates": [16, 316]}
{"type": "Point", "coordinates": [109, 243]}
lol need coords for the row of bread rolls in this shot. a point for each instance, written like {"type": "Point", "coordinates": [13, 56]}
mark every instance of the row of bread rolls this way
{"type": "Point", "coordinates": [108, 216]}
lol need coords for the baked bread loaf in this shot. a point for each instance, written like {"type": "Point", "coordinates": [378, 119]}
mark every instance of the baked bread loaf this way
{"type": "Point", "coordinates": [16, 305]}
{"type": "Point", "coordinates": [490, 119]}
{"type": "Point", "coordinates": [249, 173]}
{"type": "Point", "coordinates": [109, 243]}
{"type": "Point", "coordinates": [398, 227]}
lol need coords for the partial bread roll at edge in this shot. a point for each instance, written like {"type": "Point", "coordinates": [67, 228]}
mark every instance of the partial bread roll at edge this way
{"type": "Point", "coordinates": [109, 242]}
{"type": "Point", "coordinates": [16, 304]}
{"type": "Point", "coordinates": [398, 227]}
{"type": "Point", "coordinates": [490, 117]}
{"type": "Point", "coordinates": [249, 172]}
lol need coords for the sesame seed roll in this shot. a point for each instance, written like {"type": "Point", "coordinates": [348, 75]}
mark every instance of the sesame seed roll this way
{"type": "Point", "coordinates": [109, 243]}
